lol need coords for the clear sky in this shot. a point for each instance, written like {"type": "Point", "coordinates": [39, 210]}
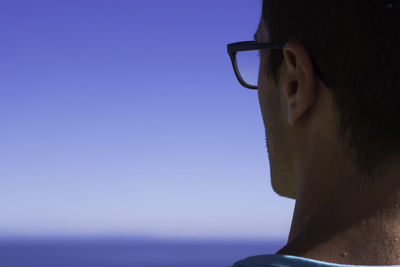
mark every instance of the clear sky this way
{"type": "Point", "coordinates": [124, 117]}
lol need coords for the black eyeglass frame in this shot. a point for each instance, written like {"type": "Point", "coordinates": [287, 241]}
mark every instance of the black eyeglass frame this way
{"type": "Point", "coordinates": [234, 48]}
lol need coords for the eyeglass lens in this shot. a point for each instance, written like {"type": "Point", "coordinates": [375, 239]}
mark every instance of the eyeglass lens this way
{"type": "Point", "coordinates": [248, 63]}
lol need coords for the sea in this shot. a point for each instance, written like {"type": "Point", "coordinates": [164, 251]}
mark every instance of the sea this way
{"type": "Point", "coordinates": [132, 252]}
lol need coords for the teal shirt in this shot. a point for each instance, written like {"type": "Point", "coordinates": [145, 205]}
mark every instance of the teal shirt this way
{"type": "Point", "coordinates": [278, 260]}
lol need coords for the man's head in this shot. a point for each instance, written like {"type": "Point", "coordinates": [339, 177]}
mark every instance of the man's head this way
{"type": "Point", "coordinates": [354, 124]}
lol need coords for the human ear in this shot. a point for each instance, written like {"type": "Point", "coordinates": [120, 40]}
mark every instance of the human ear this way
{"type": "Point", "coordinates": [298, 83]}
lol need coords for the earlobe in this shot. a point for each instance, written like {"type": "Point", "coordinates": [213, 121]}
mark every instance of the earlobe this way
{"type": "Point", "coordinates": [292, 112]}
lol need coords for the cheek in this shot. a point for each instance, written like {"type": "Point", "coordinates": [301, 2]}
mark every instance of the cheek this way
{"type": "Point", "coordinates": [263, 94]}
{"type": "Point", "coordinates": [269, 96]}
{"type": "Point", "coordinates": [263, 84]}
{"type": "Point", "coordinates": [263, 79]}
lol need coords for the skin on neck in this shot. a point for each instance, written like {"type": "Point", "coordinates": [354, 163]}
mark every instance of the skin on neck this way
{"type": "Point", "coordinates": [338, 217]}
{"type": "Point", "coordinates": [346, 224]}
{"type": "Point", "coordinates": [339, 220]}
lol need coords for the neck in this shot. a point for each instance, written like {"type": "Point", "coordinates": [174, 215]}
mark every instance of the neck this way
{"type": "Point", "coordinates": [353, 224]}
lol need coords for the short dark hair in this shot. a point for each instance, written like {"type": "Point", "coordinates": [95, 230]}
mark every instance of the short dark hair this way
{"type": "Point", "coordinates": [356, 43]}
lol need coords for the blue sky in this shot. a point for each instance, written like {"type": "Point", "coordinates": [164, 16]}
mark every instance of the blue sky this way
{"type": "Point", "coordinates": [124, 118]}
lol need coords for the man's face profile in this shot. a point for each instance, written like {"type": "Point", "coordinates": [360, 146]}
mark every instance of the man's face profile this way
{"type": "Point", "coordinates": [271, 108]}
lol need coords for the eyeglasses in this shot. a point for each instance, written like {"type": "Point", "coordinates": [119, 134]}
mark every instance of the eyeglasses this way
{"type": "Point", "coordinates": [246, 55]}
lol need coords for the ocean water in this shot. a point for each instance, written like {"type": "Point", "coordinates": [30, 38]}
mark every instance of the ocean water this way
{"type": "Point", "coordinates": [129, 252]}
